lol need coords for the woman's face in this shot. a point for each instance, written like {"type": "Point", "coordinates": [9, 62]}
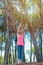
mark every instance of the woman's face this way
{"type": "Point", "coordinates": [20, 31]}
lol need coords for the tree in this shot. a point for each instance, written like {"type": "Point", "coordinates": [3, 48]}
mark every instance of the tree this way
{"type": "Point", "coordinates": [38, 56]}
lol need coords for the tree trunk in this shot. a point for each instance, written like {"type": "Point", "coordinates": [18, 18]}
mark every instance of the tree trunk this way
{"type": "Point", "coordinates": [38, 56]}
{"type": "Point", "coordinates": [40, 43]}
{"type": "Point", "coordinates": [7, 46]}
{"type": "Point", "coordinates": [31, 51]}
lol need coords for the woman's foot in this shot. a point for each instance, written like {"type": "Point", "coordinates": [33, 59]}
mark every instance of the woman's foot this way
{"type": "Point", "coordinates": [19, 61]}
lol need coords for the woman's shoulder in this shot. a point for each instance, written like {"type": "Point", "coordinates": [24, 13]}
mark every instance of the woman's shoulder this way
{"type": "Point", "coordinates": [20, 34]}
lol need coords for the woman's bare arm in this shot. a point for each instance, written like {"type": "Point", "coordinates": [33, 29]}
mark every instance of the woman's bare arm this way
{"type": "Point", "coordinates": [22, 30]}
{"type": "Point", "coordinates": [18, 29]}
{"type": "Point", "coordinates": [20, 26]}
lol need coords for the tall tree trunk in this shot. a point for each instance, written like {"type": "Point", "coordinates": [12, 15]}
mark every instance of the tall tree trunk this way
{"type": "Point", "coordinates": [8, 15]}
{"type": "Point", "coordinates": [40, 43]}
{"type": "Point", "coordinates": [38, 56]}
{"type": "Point", "coordinates": [31, 51]}
{"type": "Point", "coordinates": [7, 46]}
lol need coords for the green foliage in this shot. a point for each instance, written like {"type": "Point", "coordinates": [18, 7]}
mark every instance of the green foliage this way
{"type": "Point", "coordinates": [1, 59]}
{"type": "Point", "coordinates": [2, 38]}
{"type": "Point", "coordinates": [10, 58]}
{"type": "Point", "coordinates": [32, 50]}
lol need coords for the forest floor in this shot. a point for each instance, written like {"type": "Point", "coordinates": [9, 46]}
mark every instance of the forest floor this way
{"type": "Point", "coordinates": [32, 63]}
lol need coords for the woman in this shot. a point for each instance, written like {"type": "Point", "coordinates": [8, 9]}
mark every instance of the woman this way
{"type": "Point", "coordinates": [20, 43]}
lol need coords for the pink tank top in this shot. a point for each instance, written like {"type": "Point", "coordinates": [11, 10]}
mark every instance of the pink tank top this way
{"type": "Point", "coordinates": [20, 40]}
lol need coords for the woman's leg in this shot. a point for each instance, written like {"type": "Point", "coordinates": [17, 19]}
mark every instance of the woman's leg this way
{"type": "Point", "coordinates": [18, 52]}
{"type": "Point", "coordinates": [21, 52]}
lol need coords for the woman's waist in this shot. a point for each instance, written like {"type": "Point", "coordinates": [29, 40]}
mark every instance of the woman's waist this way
{"type": "Point", "coordinates": [20, 43]}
